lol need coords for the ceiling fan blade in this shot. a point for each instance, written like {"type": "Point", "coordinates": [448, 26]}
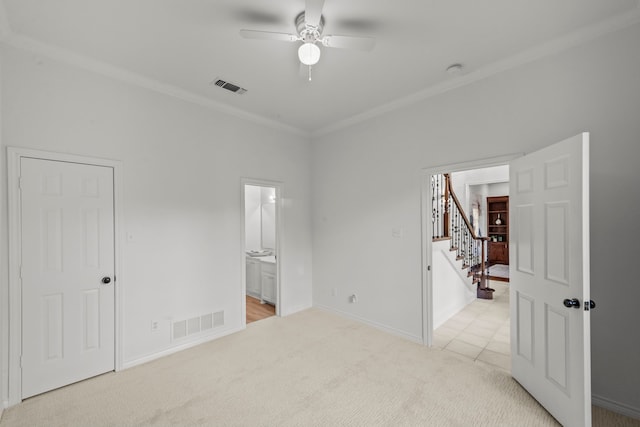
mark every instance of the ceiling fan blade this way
{"type": "Point", "coordinates": [313, 12]}
{"type": "Point", "coordinates": [269, 35]}
{"type": "Point", "coordinates": [349, 42]}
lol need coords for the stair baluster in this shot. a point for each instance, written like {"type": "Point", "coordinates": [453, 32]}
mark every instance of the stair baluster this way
{"type": "Point", "coordinates": [450, 221]}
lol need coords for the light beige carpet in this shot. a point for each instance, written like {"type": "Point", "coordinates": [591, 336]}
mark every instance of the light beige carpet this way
{"type": "Point", "coordinates": [309, 369]}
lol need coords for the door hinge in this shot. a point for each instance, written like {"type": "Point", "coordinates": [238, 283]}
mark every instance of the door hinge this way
{"type": "Point", "coordinates": [428, 268]}
{"type": "Point", "coordinates": [19, 183]}
{"type": "Point", "coordinates": [21, 361]}
{"type": "Point", "coordinates": [20, 272]}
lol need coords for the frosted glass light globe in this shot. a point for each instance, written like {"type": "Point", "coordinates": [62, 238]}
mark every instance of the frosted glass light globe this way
{"type": "Point", "coordinates": [309, 54]}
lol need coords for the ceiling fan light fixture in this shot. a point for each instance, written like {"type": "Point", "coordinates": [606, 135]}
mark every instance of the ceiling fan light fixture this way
{"type": "Point", "coordinates": [309, 53]}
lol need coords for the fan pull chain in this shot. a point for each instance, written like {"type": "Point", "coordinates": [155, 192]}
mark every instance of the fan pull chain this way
{"type": "Point", "coordinates": [309, 72]}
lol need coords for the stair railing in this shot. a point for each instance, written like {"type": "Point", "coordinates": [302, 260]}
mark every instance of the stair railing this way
{"type": "Point", "coordinates": [440, 207]}
{"type": "Point", "coordinates": [449, 221]}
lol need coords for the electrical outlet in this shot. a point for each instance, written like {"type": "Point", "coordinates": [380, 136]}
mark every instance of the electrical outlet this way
{"type": "Point", "coordinates": [154, 325]}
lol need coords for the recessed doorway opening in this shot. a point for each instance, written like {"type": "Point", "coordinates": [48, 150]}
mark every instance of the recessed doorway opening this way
{"type": "Point", "coordinates": [452, 276]}
{"type": "Point", "coordinates": [260, 250]}
{"type": "Point", "coordinates": [470, 237]}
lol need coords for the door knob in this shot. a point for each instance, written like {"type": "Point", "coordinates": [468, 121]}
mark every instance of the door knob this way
{"type": "Point", "coordinates": [573, 302]}
{"type": "Point", "coordinates": [592, 304]}
{"type": "Point", "coordinates": [106, 280]}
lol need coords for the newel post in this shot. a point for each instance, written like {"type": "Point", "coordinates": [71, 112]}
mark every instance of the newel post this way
{"type": "Point", "coordinates": [483, 241]}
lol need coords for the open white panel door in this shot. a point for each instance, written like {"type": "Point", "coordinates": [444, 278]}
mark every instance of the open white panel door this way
{"type": "Point", "coordinates": [549, 271]}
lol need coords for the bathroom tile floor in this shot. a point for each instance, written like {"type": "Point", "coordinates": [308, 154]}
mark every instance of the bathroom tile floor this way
{"type": "Point", "coordinates": [480, 331]}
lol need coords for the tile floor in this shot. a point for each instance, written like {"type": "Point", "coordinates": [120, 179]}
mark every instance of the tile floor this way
{"type": "Point", "coordinates": [481, 330]}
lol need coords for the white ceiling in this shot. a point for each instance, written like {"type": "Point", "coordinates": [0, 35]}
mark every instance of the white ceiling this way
{"type": "Point", "coordinates": [185, 44]}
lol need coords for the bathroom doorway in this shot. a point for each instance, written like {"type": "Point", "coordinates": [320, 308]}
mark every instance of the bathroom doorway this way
{"type": "Point", "coordinates": [260, 250]}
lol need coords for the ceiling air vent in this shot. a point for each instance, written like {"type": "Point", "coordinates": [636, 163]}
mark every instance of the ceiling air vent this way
{"type": "Point", "coordinates": [229, 86]}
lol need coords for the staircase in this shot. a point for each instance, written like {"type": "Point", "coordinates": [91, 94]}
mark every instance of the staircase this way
{"type": "Point", "coordinates": [449, 222]}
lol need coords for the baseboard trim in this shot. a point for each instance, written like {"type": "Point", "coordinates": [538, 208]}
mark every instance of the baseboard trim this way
{"type": "Point", "coordinates": [181, 347]}
{"type": "Point", "coordinates": [380, 326]}
{"type": "Point", "coordinates": [296, 309]}
{"type": "Point", "coordinates": [614, 406]}
{"type": "Point", "coordinates": [448, 314]}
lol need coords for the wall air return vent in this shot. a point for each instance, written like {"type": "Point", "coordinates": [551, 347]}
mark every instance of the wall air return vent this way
{"type": "Point", "coordinates": [218, 318]}
{"type": "Point", "coordinates": [179, 329]}
{"type": "Point", "coordinates": [229, 86]}
{"type": "Point", "coordinates": [195, 325]}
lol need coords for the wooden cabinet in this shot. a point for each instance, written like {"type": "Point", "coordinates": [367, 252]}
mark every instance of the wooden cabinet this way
{"type": "Point", "coordinates": [498, 229]}
{"type": "Point", "coordinates": [268, 278]}
{"type": "Point", "coordinates": [498, 253]}
{"type": "Point", "coordinates": [254, 279]}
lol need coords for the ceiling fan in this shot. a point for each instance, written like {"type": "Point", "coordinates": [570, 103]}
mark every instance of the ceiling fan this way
{"type": "Point", "coordinates": [309, 26]}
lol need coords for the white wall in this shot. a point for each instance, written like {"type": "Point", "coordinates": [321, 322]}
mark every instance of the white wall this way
{"type": "Point", "coordinates": [452, 289]}
{"type": "Point", "coordinates": [183, 166]}
{"type": "Point", "coordinates": [252, 226]}
{"type": "Point", "coordinates": [460, 180]}
{"type": "Point", "coordinates": [268, 218]}
{"type": "Point", "coordinates": [366, 180]}
{"type": "Point", "coordinates": [260, 219]}
{"type": "Point", "coordinates": [473, 186]}
{"type": "Point", "coordinates": [4, 291]}
{"type": "Point", "coordinates": [501, 189]}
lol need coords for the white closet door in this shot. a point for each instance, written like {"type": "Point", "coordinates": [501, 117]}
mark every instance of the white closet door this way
{"type": "Point", "coordinates": [67, 228]}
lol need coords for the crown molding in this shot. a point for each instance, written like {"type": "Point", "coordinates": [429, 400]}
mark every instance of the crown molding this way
{"type": "Point", "coordinates": [558, 45]}
{"type": "Point", "coordinates": [576, 38]}
{"type": "Point", "coordinates": [71, 58]}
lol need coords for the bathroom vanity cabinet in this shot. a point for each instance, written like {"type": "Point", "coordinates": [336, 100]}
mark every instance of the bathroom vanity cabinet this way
{"type": "Point", "coordinates": [254, 287]}
{"type": "Point", "coordinates": [268, 281]}
{"type": "Point", "coordinates": [261, 278]}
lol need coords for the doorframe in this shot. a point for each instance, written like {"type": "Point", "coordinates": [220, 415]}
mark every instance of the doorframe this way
{"type": "Point", "coordinates": [14, 303]}
{"type": "Point", "coordinates": [243, 242]}
{"type": "Point", "coordinates": [427, 232]}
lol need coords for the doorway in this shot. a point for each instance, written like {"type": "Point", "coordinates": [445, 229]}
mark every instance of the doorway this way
{"type": "Point", "coordinates": [63, 247]}
{"type": "Point", "coordinates": [470, 308]}
{"type": "Point", "coordinates": [432, 252]}
{"type": "Point", "coordinates": [260, 250]}
{"type": "Point", "coordinates": [549, 275]}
